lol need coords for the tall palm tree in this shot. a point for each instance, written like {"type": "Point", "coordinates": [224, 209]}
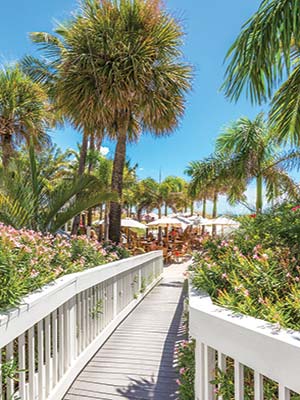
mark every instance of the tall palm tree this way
{"type": "Point", "coordinates": [250, 153]}
{"type": "Point", "coordinates": [118, 67]}
{"type": "Point", "coordinates": [210, 178]}
{"type": "Point", "coordinates": [267, 53]}
{"type": "Point", "coordinates": [171, 189]}
{"type": "Point", "coordinates": [24, 112]}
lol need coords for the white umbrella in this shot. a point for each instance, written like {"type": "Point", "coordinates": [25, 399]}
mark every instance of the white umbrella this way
{"type": "Point", "coordinates": [225, 221]}
{"type": "Point", "coordinates": [206, 221]}
{"type": "Point", "coordinates": [126, 223]}
{"type": "Point", "coordinates": [132, 223]}
{"type": "Point", "coordinates": [165, 222]}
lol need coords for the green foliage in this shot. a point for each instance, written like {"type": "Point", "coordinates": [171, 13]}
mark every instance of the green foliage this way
{"type": "Point", "coordinates": [265, 54]}
{"type": "Point", "coordinates": [256, 272]}
{"type": "Point", "coordinates": [143, 285]}
{"type": "Point", "coordinates": [186, 369]}
{"type": "Point", "coordinates": [97, 310]}
{"type": "Point", "coordinates": [24, 112]}
{"type": "Point", "coordinates": [33, 196]}
{"type": "Point", "coordinates": [30, 260]}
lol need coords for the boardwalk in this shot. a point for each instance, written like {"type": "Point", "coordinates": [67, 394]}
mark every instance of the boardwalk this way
{"type": "Point", "coordinates": [137, 361]}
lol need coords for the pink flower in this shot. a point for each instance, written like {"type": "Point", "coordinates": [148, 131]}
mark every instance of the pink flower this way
{"type": "Point", "coordinates": [295, 208]}
{"type": "Point", "coordinates": [182, 371]}
{"type": "Point", "coordinates": [288, 275]}
{"type": "Point", "coordinates": [256, 257]}
{"type": "Point", "coordinates": [224, 275]}
{"type": "Point", "coordinates": [297, 279]}
{"type": "Point", "coordinates": [265, 256]}
{"type": "Point", "coordinates": [246, 292]}
{"type": "Point", "coordinates": [34, 273]}
{"type": "Point", "coordinates": [178, 382]}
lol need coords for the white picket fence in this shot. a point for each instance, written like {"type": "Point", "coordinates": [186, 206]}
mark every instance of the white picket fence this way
{"type": "Point", "coordinates": [219, 334]}
{"type": "Point", "coordinates": [46, 341]}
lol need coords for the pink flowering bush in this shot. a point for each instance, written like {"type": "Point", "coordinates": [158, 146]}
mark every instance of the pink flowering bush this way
{"type": "Point", "coordinates": [263, 283]}
{"type": "Point", "coordinates": [186, 369]}
{"type": "Point", "coordinates": [257, 270]}
{"type": "Point", "coordinates": [30, 260]}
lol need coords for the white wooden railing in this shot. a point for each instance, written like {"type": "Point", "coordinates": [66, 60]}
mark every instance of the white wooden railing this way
{"type": "Point", "coordinates": [219, 334]}
{"type": "Point", "coordinates": [46, 341]}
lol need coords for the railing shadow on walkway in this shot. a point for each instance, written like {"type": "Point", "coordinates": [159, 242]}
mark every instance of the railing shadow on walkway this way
{"type": "Point", "coordinates": [164, 387]}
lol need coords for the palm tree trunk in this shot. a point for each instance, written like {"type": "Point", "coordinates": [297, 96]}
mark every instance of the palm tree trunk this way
{"type": "Point", "coordinates": [7, 149]}
{"type": "Point", "coordinates": [81, 168]}
{"type": "Point", "coordinates": [215, 212]}
{"type": "Point", "coordinates": [192, 207]}
{"type": "Point", "coordinates": [90, 169]}
{"type": "Point", "coordinates": [204, 208]}
{"type": "Point", "coordinates": [117, 186]}
{"type": "Point", "coordinates": [106, 221]}
{"type": "Point", "coordinates": [203, 213]}
{"type": "Point", "coordinates": [100, 236]}
{"type": "Point", "coordinates": [259, 194]}
{"type": "Point", "coordinates": [166, 209]}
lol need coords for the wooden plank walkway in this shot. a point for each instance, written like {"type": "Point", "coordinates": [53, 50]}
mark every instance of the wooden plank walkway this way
{"type": "Point", "coordinates": [137, 361]}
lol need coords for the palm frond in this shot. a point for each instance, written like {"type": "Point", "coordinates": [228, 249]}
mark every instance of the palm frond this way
{"type": "Point", "coordinates": [261, 55]}
{"type": "Point", "coordinates": [285, 110]}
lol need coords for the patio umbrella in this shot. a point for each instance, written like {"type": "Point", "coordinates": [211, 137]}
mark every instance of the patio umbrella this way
{"type": "Point", "coordinates": [165, 222]}
{"type": "Point", "coordinates": [126, 223]}
{"type": "Point", "coordinates": [225, 221]}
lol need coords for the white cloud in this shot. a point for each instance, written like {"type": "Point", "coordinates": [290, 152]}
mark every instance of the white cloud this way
{"type": "Point", "coordinates": [141, 169]}
{"type": "Point", "coordinates": [104, 150]}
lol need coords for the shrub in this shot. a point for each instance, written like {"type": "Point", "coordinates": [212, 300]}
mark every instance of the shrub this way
{"type": "Point", "coordinates": [186, 369]}
{"type": "Point", "coordinates": [30, 260]}
{"type": "Point", "coordinates": [257, 271]}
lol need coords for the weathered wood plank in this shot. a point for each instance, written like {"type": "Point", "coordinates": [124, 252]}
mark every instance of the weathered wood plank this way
{"type": "Point", "coordinates": [138, 360]}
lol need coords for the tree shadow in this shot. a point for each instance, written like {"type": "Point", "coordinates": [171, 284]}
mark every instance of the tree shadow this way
{"type": "Point", "coordinates": [163, 386]}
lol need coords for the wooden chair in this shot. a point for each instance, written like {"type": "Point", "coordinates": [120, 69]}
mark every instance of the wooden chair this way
{"type": "Point", "coordinates": [167, 255]}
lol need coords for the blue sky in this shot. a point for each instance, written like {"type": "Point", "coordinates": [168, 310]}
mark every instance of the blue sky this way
{"type": "Point", "coordinates": [210, 26]}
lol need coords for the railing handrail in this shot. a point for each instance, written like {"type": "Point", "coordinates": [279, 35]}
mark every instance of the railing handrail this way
{"type": "Point", "coordinates": [41, 303]}
{"type": "Point", "coordinates": [260, 345]}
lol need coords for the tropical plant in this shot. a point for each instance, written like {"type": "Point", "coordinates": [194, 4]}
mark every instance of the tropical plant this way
{"type": "Point", "coordinates": [117, 67]}
{"type": "Point", "coordinates": [212, 177]}
{"type": "Point", "coordinates": [29, 198]}
{"type": "Point", "coordinates": [24, 112]}
{"type": "Point", "coordinates": [250, 153]}
{"type": "Point", "coordinates": [265, 54]}
{"type": "Point", "coordinates": [171, 190]}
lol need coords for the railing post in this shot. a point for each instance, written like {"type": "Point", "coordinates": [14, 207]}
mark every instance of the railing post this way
{"type": "Point", "coordinates": [283, 392]}
{"type": "Point", "coordinates": [115, 297]}
{"type": "Point", "coordinates": [238, 381]}
{"type": "Point", "coordinates": [209, 372]}
{"type": "Point", "coordinates": [199, 371]}
{"type": "Point", "coordinates": [140, 278]}
{"type": "Point", "coordinates": [73, 330]}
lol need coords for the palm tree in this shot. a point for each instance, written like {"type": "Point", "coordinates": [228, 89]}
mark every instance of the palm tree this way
{"type": "Point", "coordinates": [250, 153]}
{"type": "Point", "coordinates": [117, 67]}
{"type": "Point", "coordinates": [212, 177]}
{"type": "Point", "coordinates": [266, 53]}
{"type": "Point", "coordinates": [30, 198]}
{"type": "Point", "coordinates": [147, 196]}
{"type": "Point", "coordinates": [171, 189]}
{"type": "Point", "coordinates": [24, 112]}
